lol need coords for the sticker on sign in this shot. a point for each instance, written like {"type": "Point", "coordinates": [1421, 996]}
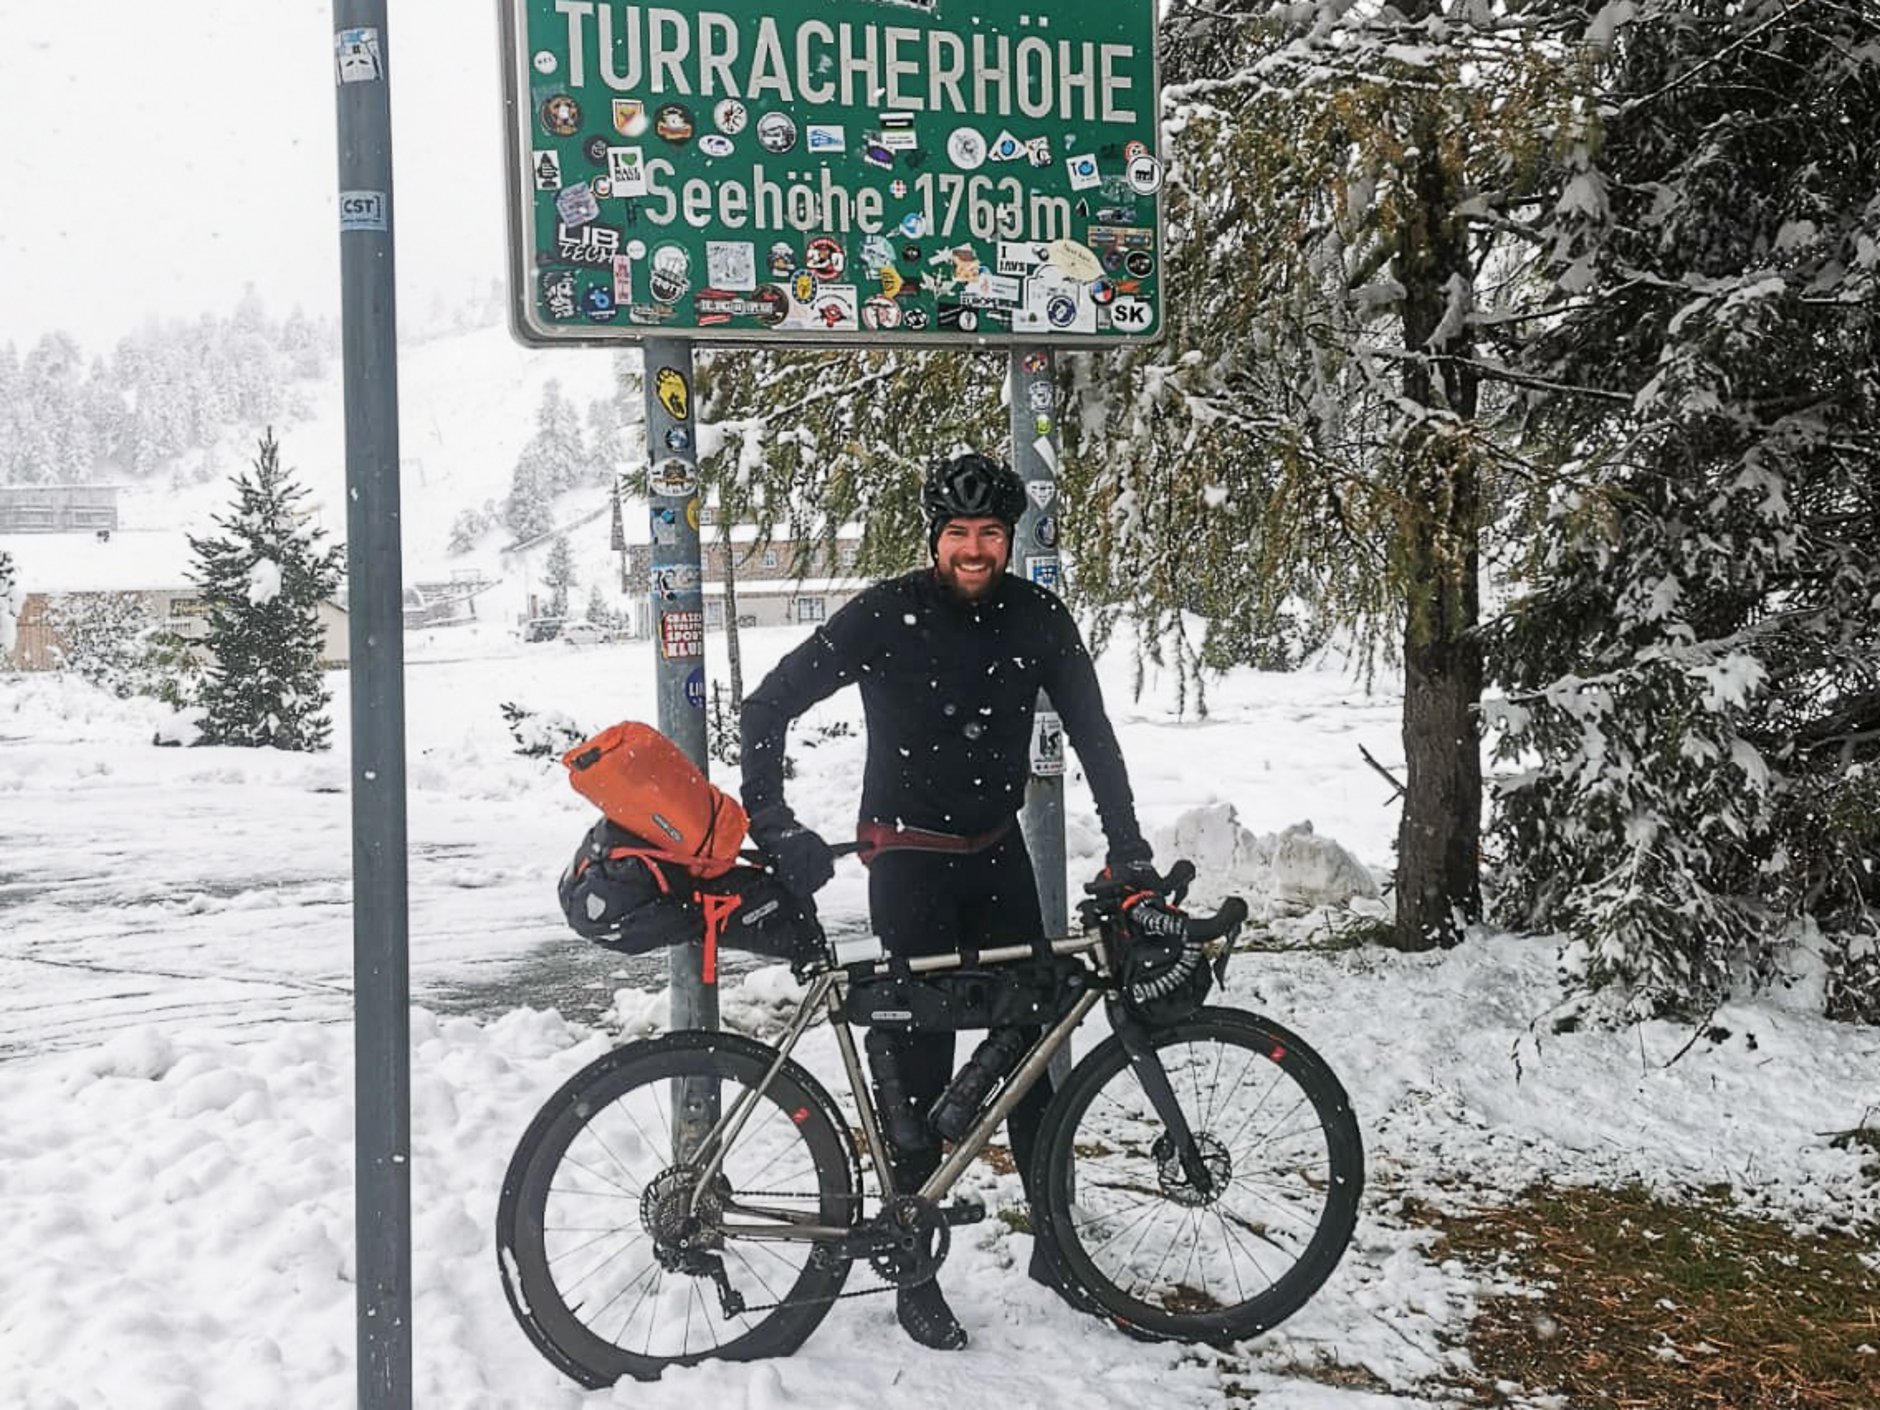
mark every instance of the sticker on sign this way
{"type": "Point", "coordinates": [362, 210]}
{"type": "Point", "coordinates": [1130, 315]}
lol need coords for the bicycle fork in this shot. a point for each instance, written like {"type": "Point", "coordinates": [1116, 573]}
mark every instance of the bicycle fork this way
{"type": "Point", "coordinates": [1146, 1063]}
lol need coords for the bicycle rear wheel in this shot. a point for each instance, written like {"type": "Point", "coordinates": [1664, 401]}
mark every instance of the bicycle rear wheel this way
{"type": "Point", "coordinates": [596, 1175]}
{"type": "Point", "coordinates": [1163, 1257]}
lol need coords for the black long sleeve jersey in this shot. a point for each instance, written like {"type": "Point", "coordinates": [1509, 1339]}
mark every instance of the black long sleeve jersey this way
{"type": "Point", "coordinates": [949, 690]}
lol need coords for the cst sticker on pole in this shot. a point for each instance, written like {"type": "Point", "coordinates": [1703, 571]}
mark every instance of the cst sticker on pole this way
{"type": "Point", "coordinates": [695, 688]}
{"type": "Point", "coordinates": [362, 210]}
{"type": "Point", "coordinates": [1043, 571]}
{"type": "Point", "coordinates": [1047, 745]}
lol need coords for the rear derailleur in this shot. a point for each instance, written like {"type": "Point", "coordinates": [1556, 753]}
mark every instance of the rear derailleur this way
{"type": "Point", "coordinates": [684, 1237]}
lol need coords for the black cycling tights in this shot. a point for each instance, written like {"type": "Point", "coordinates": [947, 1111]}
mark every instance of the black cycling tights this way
{"type": "Point", "coordinates": [930, 903]}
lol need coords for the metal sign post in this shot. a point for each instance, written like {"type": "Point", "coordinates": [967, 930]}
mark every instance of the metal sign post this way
{"type": "Point", "coordinates": [381, 969]}
{"type": "Point", "coordinates": [1032, 389]}
{"type": "Point", "coordinates": [678, 618]}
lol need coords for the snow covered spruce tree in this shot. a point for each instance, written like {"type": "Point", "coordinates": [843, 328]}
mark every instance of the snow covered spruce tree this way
{"type": "Point", "coordinates": [262, 580]}
{"type": "Point", "coordinates": [808, 442]}
{"type": "Point", "coordinates": [1355, 199]}
{"type": "Point", "coordinates": [1694, 679]}
{"type": "Point", "coordinates": [10, 601]}
{"type": "Point", "coordinates": [554, 459]}
{"type": "Point", "coordinates": [558, 575]}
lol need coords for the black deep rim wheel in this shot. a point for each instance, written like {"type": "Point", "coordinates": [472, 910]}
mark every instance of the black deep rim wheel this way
{"type": "Point", "coordinates": [584, 1192]}
{"type": "Point", "coordinates": [1237, 1254]}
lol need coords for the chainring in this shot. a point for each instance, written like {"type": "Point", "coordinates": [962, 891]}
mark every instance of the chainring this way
{"type": "Point", "coordinates": [913, 1239]}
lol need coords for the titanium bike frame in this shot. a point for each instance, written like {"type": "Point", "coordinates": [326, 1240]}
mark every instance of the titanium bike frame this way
{"type": "Point", "coordinates": [825, 992]}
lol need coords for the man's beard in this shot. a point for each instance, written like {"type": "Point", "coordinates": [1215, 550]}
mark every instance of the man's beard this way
{"type": "Point", "coordinates": [977, 591]}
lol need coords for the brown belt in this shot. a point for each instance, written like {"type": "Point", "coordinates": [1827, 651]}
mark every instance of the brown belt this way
{"type": "Point", "coordinates": [872, 837]}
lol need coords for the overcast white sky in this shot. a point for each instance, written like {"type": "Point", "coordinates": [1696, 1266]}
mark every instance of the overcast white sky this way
{"type": "Point", "coordinates": [157, 158]}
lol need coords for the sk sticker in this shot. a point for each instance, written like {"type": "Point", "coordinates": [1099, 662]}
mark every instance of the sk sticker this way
{"type": "Point", "coordinates": [669, 386]}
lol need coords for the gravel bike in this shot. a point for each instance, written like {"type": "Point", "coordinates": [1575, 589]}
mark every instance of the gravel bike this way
{"type": "Point", "coordinates": [700, 1194]}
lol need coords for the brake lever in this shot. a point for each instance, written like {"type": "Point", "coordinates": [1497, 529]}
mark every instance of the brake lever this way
{"type": "Point", "coordinates": [1177, 881]}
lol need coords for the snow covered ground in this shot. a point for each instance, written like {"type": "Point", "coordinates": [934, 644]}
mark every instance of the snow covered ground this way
{"type": "Point", "coordinates": [175, 1059]}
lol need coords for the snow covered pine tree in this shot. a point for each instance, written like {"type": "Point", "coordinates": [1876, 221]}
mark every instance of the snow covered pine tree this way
{"type": "Point", "coordinates": [1693, 682]}
{"type": "Point", "coordinates": [263, 579]}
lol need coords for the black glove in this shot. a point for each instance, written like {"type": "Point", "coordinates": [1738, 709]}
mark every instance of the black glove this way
{"type": "Point", "coordinates": [1131, 875]}
{"type": "Point", "coordinates": [799, 857]}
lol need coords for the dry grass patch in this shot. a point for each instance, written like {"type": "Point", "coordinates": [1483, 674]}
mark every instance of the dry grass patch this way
{"type": "Point", "coordinates": [1640, 1305]}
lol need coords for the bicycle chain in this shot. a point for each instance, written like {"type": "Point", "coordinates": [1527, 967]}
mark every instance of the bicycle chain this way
{"type": "Point", "coordinates": [855, 1200]}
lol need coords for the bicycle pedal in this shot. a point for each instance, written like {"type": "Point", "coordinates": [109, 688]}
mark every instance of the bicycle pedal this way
{"type": "Point", "coordinates": [966, 1209]}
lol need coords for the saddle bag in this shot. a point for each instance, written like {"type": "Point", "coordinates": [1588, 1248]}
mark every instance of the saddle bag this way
{"type": "Point", "coordinates": [645, 785]}
{"type": "Point", "coordinates": [628, 896]}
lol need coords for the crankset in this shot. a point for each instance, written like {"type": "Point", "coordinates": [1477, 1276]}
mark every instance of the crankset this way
{"type": "Point", "coordinates": [908, 1241]}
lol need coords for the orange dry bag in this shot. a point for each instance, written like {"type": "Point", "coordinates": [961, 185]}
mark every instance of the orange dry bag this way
{"type": "Point", "coordinates": [644, 783]}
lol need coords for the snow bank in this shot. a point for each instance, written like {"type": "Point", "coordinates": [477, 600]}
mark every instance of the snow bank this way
{"type": "Point", "coordinates": [1284, 873]}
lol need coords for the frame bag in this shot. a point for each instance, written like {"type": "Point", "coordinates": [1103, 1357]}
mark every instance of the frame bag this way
{"type": "Point", "coordinates": [1026, 993]}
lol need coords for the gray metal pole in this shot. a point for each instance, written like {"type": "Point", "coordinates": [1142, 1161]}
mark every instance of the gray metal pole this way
{"type": "Point", "coordinates": [678, 618]}
{"type": "Point", "coordinates": [1033, 394]}
{"type": "Point", "coordinates": [381, 971]}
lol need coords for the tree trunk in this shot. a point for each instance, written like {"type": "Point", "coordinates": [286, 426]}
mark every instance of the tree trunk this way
{"type": "Point", "coordinates": [734, 649]}
{"type": "Point", "coordinates": [1438, 838]}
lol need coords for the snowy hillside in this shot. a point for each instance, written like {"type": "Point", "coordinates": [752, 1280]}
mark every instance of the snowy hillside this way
{"type": "Point", "coordinates": [467, 404]}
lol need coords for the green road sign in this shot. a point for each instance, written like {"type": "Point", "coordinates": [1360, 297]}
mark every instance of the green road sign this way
{"type": "Point", "coordinates": [834, 172]}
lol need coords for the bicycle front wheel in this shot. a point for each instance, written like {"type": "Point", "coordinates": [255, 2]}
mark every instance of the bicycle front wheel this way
{"type": "Point", "coordinates": [596, 1193]}
{"type": "Point", "coordinates": [1166, 1256]}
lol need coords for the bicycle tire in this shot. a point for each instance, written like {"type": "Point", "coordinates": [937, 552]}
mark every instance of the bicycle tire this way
{"type": "Point", "coordinates": [573, 1164]}
{"type": "Point", "coordinates": [1272, 1119]}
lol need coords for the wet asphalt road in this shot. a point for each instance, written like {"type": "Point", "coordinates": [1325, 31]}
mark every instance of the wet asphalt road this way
{"type": "Point", "coordinates": [574, 976]}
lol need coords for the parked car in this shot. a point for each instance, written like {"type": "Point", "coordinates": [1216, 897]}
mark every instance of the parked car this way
{"type": "Point", "coordinates": [585, 633]}
{"type": "Point", "coordinates": [541, 629]}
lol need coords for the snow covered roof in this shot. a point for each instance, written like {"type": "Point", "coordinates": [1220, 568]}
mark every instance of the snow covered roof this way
{"type": "Point", "coordinates": [128, 560]}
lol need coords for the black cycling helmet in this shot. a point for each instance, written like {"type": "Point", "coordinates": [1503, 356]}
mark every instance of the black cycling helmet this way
{"type": "Point", "coordinates": [970, 486]}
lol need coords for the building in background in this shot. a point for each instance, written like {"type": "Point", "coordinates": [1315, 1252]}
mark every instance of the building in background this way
{"type": "Point", "coordinates": [149, 565]}
{"type": "Point", "coordinates": [58, 509]}
{"type": "Point", "coordinates": [777, 582]}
